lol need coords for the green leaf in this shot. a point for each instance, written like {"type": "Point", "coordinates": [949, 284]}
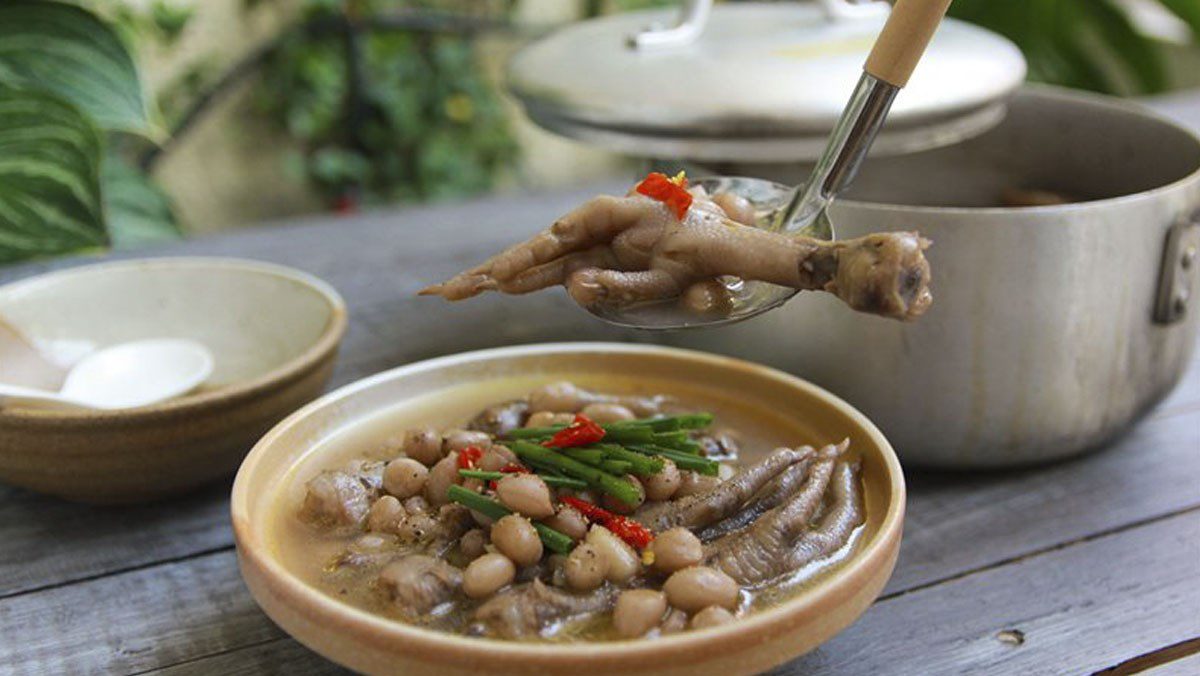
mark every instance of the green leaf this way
{"type": "Point", "coordinates": [1188, 11]}
{"type": "Point", "coordinates": [1090, 44]}
{"type": "Point", "coordinates": [1064, 54]}
{"type": "Point", "coordinates": [67, 51]}
{"type": "Point", "coordinates": [137, 211]}
{"type": "Point", "coordinates": [49, 177]}
{"type": "Point", "coordinates": [1070, 65]}
{"type": "Point", "coordinates": [1140, 55]}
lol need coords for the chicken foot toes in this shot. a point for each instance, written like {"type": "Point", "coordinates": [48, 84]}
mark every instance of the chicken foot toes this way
{"type": "Point", "coordinates": [783, 539]}
{"type": "Point", "coordinates": [702, 509]}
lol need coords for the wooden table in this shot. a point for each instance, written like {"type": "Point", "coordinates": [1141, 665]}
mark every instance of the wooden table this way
{"type": "Point", "coordinates": [1081, 566]}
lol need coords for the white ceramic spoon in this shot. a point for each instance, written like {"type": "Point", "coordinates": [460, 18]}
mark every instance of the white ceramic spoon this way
{"type": "Point", "coordinates": [125, 375]}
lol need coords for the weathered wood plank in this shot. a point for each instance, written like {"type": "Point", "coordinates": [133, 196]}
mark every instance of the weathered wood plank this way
{"type": "Point", "coordinates": [1186, 396]}
{"type": "Point", "coordinates": [1085, 606]}
{"type": "Point", "coordinates": [1005, 515]}
{"type": "Point", "coordinates": [1174, 657]}
{"type": "Point", "coordinates": [48, 541]}
{"type": "Point", "coordinates": [1081, 608]}
{"type": "Point", "coordinates": [1186, 666]}
{"type": "Point", "coordinates": [287, 656]}
{"type": "Point", "coordinates": [132, 621]}
{"type": "Point", "coordinates": [280, 656]}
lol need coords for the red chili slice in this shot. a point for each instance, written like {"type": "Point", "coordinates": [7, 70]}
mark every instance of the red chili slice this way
{"type": "Point", "coordinates": [583, 432]}
{"type": "Point", "coordinates": [670, 191]}
{"type": "Point", "coordinates": [469, 456]}
{"type": "Point", "coordinates": [510, 468]}
{"type": "Point", "coordinates": [587, 509]}
{"type": "Point", "coordinates": [632, 532]}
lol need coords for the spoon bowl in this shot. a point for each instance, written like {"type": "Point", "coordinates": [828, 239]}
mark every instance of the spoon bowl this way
{"type": "Point", "coordinates": [139, 373]}
{"type": "Point", "coordinates": [126, 375]}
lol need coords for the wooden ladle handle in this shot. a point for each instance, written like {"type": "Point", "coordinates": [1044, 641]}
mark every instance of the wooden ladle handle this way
{"type": "Point", "coordinates": [904, 38]}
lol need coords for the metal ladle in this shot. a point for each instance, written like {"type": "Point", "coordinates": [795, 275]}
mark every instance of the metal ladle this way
{"type": "Point", "coordinates": [803, 210]}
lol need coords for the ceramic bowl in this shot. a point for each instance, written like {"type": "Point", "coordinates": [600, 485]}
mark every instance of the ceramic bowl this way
{"type": "Point", "coordinates": [373, 644]}
{"type": "Point", "coordinates": [273, 333]}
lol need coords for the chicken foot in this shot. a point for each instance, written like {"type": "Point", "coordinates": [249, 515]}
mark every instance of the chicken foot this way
{"type": "Point", "coordinates": [836, 526]}
{"type": "Point", "coordinates": [703, 509]}
{"type": "Point", "coordinates": [779, 539]}
{"type": "Point", "coordinates": [527, 609]}
{"type": "Point", "coordinates": [771, 496]}
{"type": "Point", "coordinates": [622, 250]}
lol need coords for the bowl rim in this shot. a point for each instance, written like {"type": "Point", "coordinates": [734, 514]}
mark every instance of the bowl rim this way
{"type": "Point", "coordinates": [383, 631]}
{"type": "Point", "coordinates": [294, 368]}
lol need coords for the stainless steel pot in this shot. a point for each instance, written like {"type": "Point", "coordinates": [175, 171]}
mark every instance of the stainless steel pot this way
{"type": "Point", "coordinates": [1053, 328]}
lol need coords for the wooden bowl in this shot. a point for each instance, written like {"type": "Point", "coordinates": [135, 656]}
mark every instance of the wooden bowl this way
{"type": "Point", "coordinates": [273, 332]}
{"type": "Point", "coordinates": [373, 644]}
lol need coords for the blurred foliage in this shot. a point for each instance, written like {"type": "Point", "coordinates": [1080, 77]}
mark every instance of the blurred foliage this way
{"type": "Point", "coordinates": [162, 21]}
{"type": "Point", "coordinates": [160, 24]}
{"type": "Point", "coordinates": [136, 209]}
{"type": "Point", "coordinates": [598, 7]}
{"type": "Point", "coordinates": [70, 101]}
{"type": "Point", "coordinates": [1086, 44]}
{"type": "Point", "coordinates": [386, 114]}
{"type": "Point", "coordinates": [177, 96]}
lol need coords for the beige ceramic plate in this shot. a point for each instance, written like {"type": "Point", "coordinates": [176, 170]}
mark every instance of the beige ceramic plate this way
{"type": "Point", "coordinates": [273, 333]}
{"type": "Point", "coordinates": [374, 644]}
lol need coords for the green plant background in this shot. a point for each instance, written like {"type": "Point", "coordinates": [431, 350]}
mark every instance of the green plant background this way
{"type": "Point", "coordinates": [383, 101]}
{"type": "Point", "coordinates": [70, 98]}
{"type": "Point", "coordinates": [1085, 44]}
{"type": "Point", "coordinates": [427, 125]}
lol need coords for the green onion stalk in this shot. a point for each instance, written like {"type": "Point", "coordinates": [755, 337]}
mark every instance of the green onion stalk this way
{"type": "Point", "coordinates": [607, 483]}
{"type": "Point", "coordinates": [556, 481]}
{"type": "Point", "coordinates": [682, 460]}
{"type": "Point", "coordinates": [555, 541]}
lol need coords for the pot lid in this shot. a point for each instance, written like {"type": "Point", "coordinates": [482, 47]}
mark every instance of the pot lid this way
{"type": "Point", "coordinates": [753, 81]}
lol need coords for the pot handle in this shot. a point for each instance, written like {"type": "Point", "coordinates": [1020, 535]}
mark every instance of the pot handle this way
{"type": "Point", "coordinates": [1181, 260]}
{"type": "Point", "coordinates": [903, 40]}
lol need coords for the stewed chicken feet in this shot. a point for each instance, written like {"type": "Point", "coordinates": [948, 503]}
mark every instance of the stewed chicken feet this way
{"type": "Point", "coordinates": [625, 250]}
{"type": "Point", "coordinates": [785, 538]}
{"type": "Point", "coordinates": [458, 530]}
{"type": "Point", "coordinates": [724, 500]}
{"type": "Point", "coordinates": [525, 610]}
